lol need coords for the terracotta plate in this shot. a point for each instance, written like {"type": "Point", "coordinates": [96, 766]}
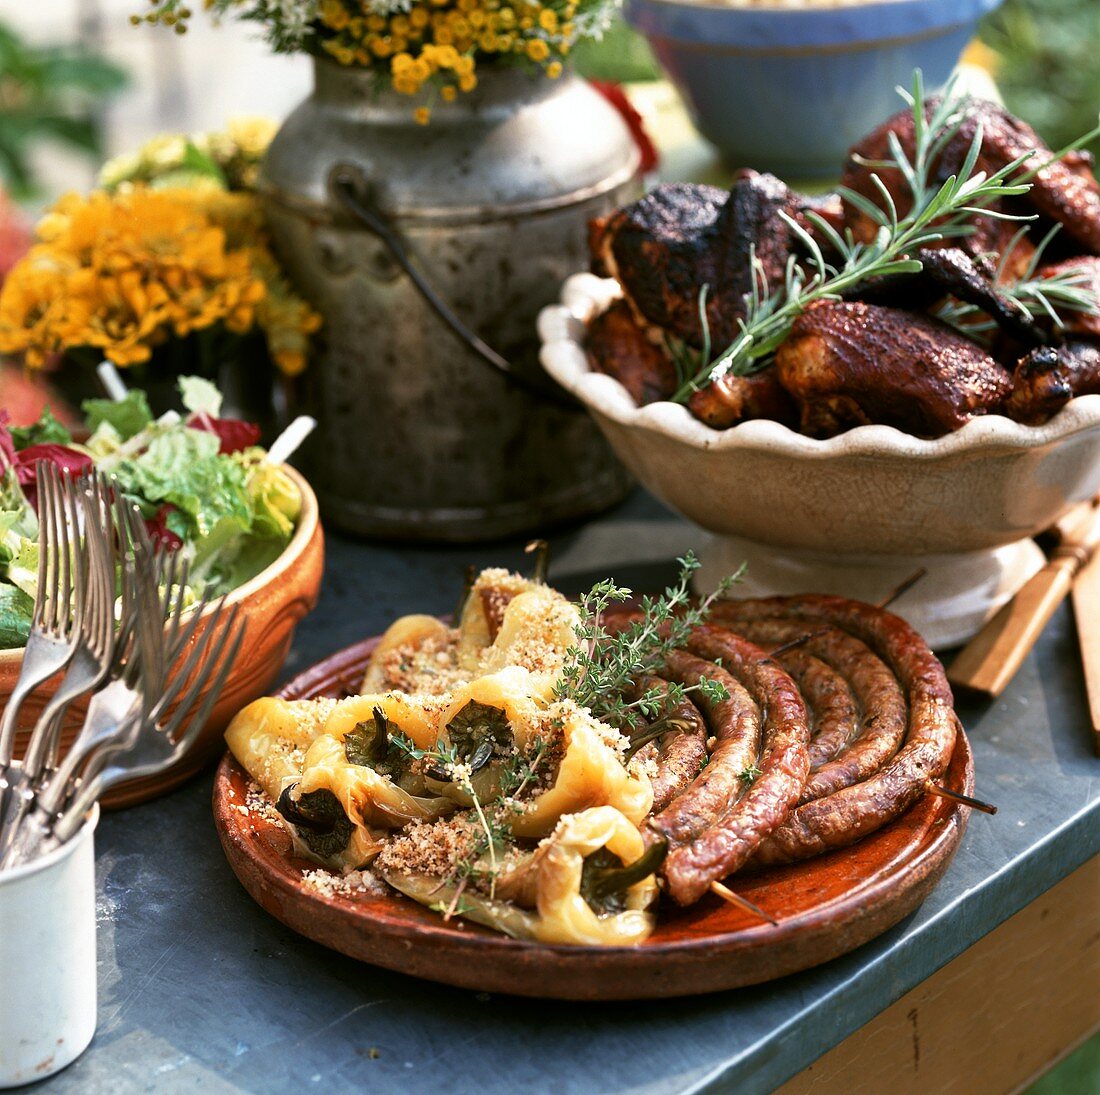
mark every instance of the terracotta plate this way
{"type": "Point", "coordinates": [825, 906]}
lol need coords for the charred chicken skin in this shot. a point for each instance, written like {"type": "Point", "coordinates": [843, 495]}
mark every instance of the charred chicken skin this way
{"type": "Point", "coordinates": [667, 246]}
{"type": "Point", "coordinates": [1066, 193]}
{"type": "Point", "coordinates": [733, 399]}
{"type": "Point", "coordinates": [618, 346]}
{"type": "Point", "coordinates": [851, 364]}
{"type": "Point", "coordinates": [1046, 379]}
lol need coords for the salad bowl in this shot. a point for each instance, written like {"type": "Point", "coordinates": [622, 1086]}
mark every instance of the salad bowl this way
{"type": "Point", "coordinates": [853, 515]}
{"type": "Point", "coordinates": [272, 604]}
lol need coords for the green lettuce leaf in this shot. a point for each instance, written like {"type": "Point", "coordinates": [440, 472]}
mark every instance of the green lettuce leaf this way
{"type": "Point", "coordinates": [46, 431]}
{"type": "Point", "coordinates": [200, 396]}
{"type": "Point", "coordinates": [22, 568]}
{"type": "Point", "coordinates": [276, 501]}
{"type": "Point", "coordinates": [128, 417]}
{"type": "Point", "coordinates": [16, 611]}
{"type": "Point", "coordinates": [182, 467]}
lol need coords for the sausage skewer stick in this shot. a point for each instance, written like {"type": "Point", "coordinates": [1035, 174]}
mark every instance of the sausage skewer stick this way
{"type": "Point", "coordinates": [735, 899]}
{"type": "Point", "coordinates": [966, 800]}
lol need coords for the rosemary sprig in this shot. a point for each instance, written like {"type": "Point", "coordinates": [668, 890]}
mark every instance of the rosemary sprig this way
{"type": "Point", "coordinates": [1068, 290]}
{"type": "Point", "coordinates": [601, 670]}
{"type": "Point", "coordinates": [939, 211]}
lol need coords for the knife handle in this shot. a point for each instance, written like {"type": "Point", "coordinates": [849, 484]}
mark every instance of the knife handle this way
{"type": "Point", "coordinates": [990, 660]}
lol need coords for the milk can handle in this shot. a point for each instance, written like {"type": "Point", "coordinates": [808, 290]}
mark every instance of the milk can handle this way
{"type": "Point", "coordinates": [352, 188]}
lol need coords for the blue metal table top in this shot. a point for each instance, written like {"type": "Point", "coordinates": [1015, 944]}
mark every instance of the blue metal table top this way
{"type": "Point", "coordinates": [199, 988]}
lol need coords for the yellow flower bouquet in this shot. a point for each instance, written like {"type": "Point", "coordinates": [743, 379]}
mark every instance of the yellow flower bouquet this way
{"type": "Point", "coordinates": [422, 48]}
{"type": "Point", "coordinates": [164, 266]}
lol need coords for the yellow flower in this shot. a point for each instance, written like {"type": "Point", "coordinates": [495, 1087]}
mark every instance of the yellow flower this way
{"type": "Point", "coordinates": [334, 15]}
{"type": "Point", "coordinates": [554, 69]}
{"type": "Point", "coordinates": [548, 20]}
{"type": "Point", "coordinates": [538, 50]}
{"type": "Point", "coordinates": [422, 115]}
{"type": "Point", "coordinates": [122, 273]}
{"type": "Point", "coordinates": [448, 93]}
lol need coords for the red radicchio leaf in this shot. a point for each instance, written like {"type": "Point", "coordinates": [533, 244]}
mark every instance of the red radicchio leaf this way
{"type": "Point", "coordinates": [68, 460]}
{"type": "Point", "coordinates": [7, 445]}
{"type": "Point", "coordinates": [233, 433]}
{"type": "Point", "coordinates": [615, 95]}
{"type": "Point", "coordinates": [159, 532]}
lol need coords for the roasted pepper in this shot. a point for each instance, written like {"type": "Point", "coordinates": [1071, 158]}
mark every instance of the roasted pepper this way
{"type": "Point", "coordinates": [591, 882]}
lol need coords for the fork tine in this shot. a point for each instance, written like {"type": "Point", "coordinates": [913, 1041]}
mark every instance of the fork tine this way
{"type": "Point", "coordinates": [228, 639]}
{"type": "Point", "coordinates": [184, 633]}
{"type": "Point", "coordinates": [45, 541]}
{"type": "Point", "coordinates": [213, 693]}
{"type": "Point", "coordinates": [48, 504]}
{"type": "Point", "coordinates": [190, 663]}
{"type": "Point", "coordinates": [182, 575]}
{"type": "Point", "coordinates": [68, 548]}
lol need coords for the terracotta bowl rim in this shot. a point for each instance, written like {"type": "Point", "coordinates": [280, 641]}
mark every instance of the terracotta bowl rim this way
{"type": "Point", "coordinates": [308, 520]}
{"type": "Point", "coordinates": [562, 354]}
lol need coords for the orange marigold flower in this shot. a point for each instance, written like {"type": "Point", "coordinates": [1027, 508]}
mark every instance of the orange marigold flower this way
{"type": "Point", "coordinates": [121, 273]}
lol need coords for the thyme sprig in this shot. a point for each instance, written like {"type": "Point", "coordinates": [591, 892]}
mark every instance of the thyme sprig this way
{"type": "Point", "coordinates": [600, 671]}
{"type": "Point", "coordinates": [1066, 291]}
{"type": "Point", "coordinates": [939, 211]}
{"type": "Point", "coordinates": [517, 773]}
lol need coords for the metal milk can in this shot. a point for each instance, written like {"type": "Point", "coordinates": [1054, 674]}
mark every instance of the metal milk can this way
{"type": "Point", "coordinates": [429, 251]}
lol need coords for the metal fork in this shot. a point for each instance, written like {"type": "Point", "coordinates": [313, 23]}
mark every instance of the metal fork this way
{"type": "Point", "coordinates": [156, 747]}
{"type": "Point", "coordinates": [94, 654]}
{"type": "Point", "coordinates": [115, 710]}
{"type": "Point", "coordinates": [57, 635]}
{"type": "Point", "coordinates": [59, 606]}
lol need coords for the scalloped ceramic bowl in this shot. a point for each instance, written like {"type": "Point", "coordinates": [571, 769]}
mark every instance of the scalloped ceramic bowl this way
{"type": "Point", "coordinates": [272, 604]}
{"type": "Point", "coordinates": [855, 514]}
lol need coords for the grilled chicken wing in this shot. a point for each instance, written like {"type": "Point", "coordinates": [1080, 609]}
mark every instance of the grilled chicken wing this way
{"type": "Point", "coordinates": [618, 346]}
{"type": "Point", "coordinates": [1088, 267]}
{"type": "Point", "coordinates": [1065, 192]}
{"type": "Point", "coordinates": [734, 399]}
{"type": "Point", "coordinates": [849, 364]}
{"type": "Point", "coordinates": [1049, 377]}
{"type": "Point", "coordinates": [665, 247]}
{"type": "Point", "coordinates": [950, 271]}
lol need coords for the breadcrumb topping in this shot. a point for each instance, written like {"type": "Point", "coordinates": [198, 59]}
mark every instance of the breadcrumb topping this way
{"type": "Point", "coordinates": [430, 848]}
{"type": "Point", "coordinates": [353, 884]}
{"type": "Point", "coordinates": [428, 666]}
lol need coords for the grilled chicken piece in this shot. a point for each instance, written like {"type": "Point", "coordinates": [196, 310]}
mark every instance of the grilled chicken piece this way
{"type": "Point", "coordinates": [950, 271]}
{"type": "Point", "coordinates": [1049, 377]}
{"type": "Point", "coordinates": [733, 399]}
{"type": "Point", "coordinates": [617, 345]}
{"type": "Point", "coordinates": [850, 364]}
{"type": "Point", "coordinates": [664, 248]}
{"type": "Point", "coordinates": [1081, 323]}
{"type": "Point", "coordinates": [1063, 192]}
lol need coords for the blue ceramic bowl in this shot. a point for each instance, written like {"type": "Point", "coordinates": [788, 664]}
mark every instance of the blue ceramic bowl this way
{"type": "Point", "coordinates": [789, 90]}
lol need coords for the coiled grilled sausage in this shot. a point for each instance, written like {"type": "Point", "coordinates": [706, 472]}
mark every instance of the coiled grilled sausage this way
{"type": "Point", "coordinates": [850, 814]}
{"type": "Point", "coordinates": [679, 754]}
{"type": "Point", "coordinates": [735, 726]}
{"type": "Point", "coordinates": [883, 714]}
{"type": "Point", "coordinates": [780, 771]}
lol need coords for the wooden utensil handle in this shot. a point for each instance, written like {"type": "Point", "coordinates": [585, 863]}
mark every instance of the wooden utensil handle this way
{"type": "Point", "coordinates": [1086, 611]}
{"type": "Point", "coordinates": [990, 660]}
